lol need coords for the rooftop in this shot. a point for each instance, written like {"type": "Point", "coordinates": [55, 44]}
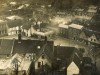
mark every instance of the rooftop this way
{"type": "Point", "coordinates": [94, 11]}
{"type": "Point", "coordinates": [76, 26]}
{"type": "Point", "coordinates": [14, 17]}
{"type": "Point", "coordinates": [23, 63]}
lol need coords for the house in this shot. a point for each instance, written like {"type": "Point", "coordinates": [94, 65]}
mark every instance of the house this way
{"type": "Point", "coordinates": [3, 28]}
{"type": "Point", "coordinates": [16, 65]}
{"type": "Point", "coordinates": [90, 37]}
{"type": "Point", "coordinates": [68, 59]}
{"type": "Point", "coordinates": [91, 10]}
{"type": "Point", "coordinates": [42, 34]}
{"type": "Point", "coordinates": [28, 29]}
{"type": "Point", "coordinates": [79, 11]}
{"type": "Point", "coordinates": [63, 30]}
{"type": "Point", "coordinates": [74, 31]}
{"type": "Point", "coordinates": [44, 59]}
{"type": "Point", "coordinates": [13, 24]}
{"type": "Point", "coordinates": [84, 35]}
{"type": "Point", "coordinates": [86, 67]}
{"type": "Point", "coordinates": [94, 39]}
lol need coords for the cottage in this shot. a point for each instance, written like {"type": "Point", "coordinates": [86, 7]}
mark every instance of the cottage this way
{"type": "Point", "coordinates": [94, 39]}
{"type": "Point", "coordinates": [44, 58]}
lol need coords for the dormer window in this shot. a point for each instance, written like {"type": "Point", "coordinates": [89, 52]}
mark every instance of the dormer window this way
{"type": "Point", "coordinates": [38, 47]}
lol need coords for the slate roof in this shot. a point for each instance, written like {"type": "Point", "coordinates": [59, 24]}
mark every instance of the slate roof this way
{"type": "Point", "coordinates": [14, 23]}
{"type": "Point", "coordinates": [63, 52]}
{"type": "Point", "coordinates": [28, 46]}
{"type": "Point", "coordinates": [23, 46]}
{"type": "Point", "coordinates": [87, 60]}
{"type": "Point", "coordinates": [6, 46]}
{"type": "Point", "coordinates": [66, 55]}
{"type": "Point", "coordinates": [27, 25]}
{"type": "Point", "coordinates": [89, 33]}
{"type": "Point", "coordinates": [47, 49]}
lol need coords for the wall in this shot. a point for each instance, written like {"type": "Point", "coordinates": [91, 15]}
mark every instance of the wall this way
{"type": "Point", "coordinates": [72, 69]}
{"type": "Point", "coordinates": [44, 60]}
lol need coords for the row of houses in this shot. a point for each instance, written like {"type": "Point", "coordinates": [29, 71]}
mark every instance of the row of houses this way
{"type": "Point", "coordinates": [83, 13]}
{"type": "Point", "coordinates": [44, 57]}
{"type": "Point", "coordinates": [79, 33]}
{"type": "Point", "coordinates": [12, 24]}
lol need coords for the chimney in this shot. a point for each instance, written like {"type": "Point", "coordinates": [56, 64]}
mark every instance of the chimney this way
{"type": "Point", "coordinates": [45, 38]}
{"type": "Point", "coordinates": [16, 68]}
{"type": "Point", "coordinates": [19, 34]}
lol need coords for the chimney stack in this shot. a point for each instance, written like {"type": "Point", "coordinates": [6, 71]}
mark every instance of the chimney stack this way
{"type": "Point", "coordinates": [19, 34]}
{"type": "Point", "coordinates": [45, 38]}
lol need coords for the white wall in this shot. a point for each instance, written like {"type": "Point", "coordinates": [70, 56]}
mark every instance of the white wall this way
{"type": "Point", "coordinates": [93, 39]}
{"type": "Point", "coordinates": [45, 61]}
{"type": "Point", "coordinates": [12, 31]}
{"type": "Point", "coordinates": [72, 69]}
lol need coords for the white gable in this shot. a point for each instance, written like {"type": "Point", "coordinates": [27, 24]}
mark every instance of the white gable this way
{"type": "Point", "coordinates": [92, 38]}
{"type": "Point", "coordinates": [43, 61]}
{"type": "Point", "coordinates": [72, 69]}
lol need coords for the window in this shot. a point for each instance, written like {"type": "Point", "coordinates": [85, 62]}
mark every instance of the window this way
{"type": "Point", "coordinates": [7, 55]}
{"type": "Point", "coordinates": [94, 40]}
{"type": "Point", "coordinates": [91, 39]}
{"type": "Point", "coordinates": [39, 64]}
{"type": "Point", "coordinates": [42, 56]}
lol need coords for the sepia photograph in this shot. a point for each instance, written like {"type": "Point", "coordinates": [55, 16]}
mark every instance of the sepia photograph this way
{"type": "Point", "coordinates": [49, 37]}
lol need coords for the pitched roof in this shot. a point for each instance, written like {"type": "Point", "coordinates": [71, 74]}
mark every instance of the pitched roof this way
{"type": "Point", "coordinates": [89, 33]}
{"type": "Point", "coordinates": [14, 23]}
{"type": "Point", "coordinates": [47, 49]}
{"type": "Point", "coordinates": [27, 25]}
{"type": "Point", "coordinates": [66, 55]}
{"type": "Point", "coordinates": [6, 46]}
{"type": "Point", "coordinates": [63, 52]}
{"type": "Point", "coordinates": [29, 46]}
{"type": "Point", "coordinates": [76, 26]}
{"type": "Point", "coordinates": [14, 17]}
